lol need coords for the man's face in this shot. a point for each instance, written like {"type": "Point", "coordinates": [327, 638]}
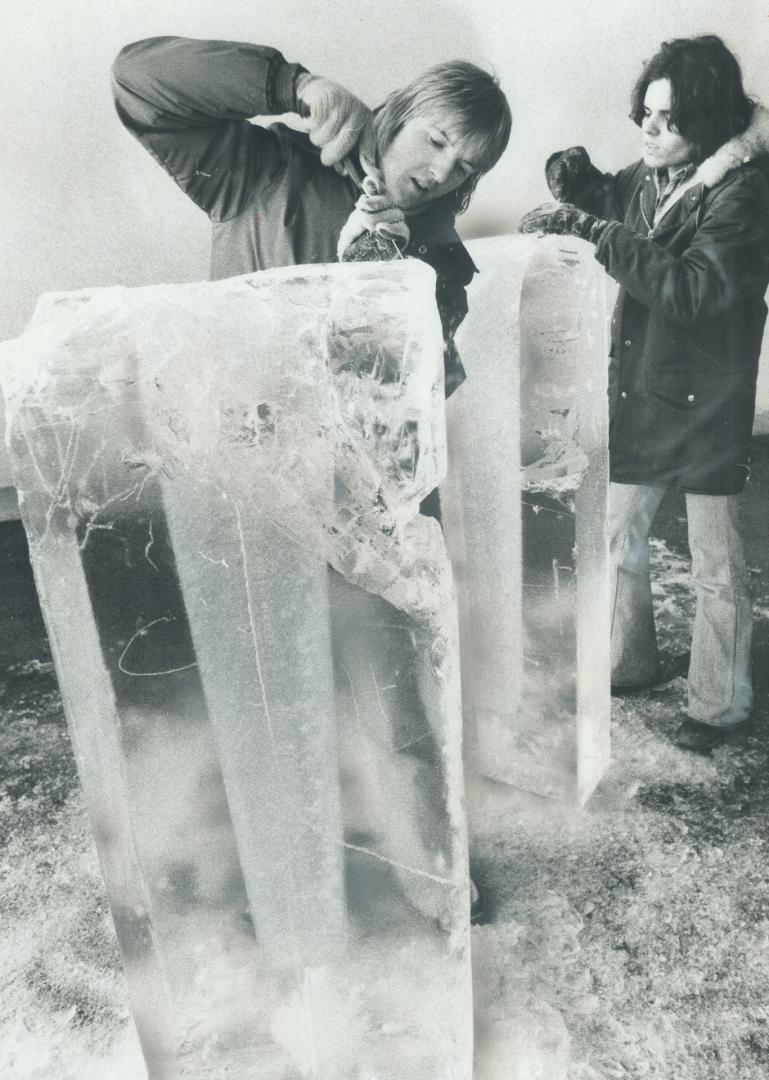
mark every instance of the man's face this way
{"type": "Point", "coordinates": [425, 160]}
{"type": "Point", "coordinates": [663, 147]}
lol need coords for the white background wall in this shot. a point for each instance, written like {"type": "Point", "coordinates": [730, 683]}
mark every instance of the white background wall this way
{"type": "Point", "coordinates": [81, 204]}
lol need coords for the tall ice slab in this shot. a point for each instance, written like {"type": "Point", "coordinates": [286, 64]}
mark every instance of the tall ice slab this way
{"type": "Point", "coordinates": [255, 636]}
{"type": "Point", "coordinates": [524, 506]}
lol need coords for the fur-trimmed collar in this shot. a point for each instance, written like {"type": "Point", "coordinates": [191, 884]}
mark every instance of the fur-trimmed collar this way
{"type": "Point", "coordinates": [741, 149]}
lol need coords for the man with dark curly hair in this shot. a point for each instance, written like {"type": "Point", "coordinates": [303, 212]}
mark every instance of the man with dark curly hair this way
{"type": "Point", "coordinates": [688, 242]}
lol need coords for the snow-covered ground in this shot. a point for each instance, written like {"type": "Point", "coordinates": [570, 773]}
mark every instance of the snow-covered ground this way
{"type": "Point", "coordinates": [630, 940]}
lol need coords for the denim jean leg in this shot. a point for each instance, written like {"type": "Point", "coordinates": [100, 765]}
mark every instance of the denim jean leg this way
{"type": "Point", "coordinates": [720, 684]}
{"type": "Point", "coordinates": [634, 656]}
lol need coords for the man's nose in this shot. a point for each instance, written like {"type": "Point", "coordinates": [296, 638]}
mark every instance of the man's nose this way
{"type": "Point", "coordinates": [442, 166]}
{"type": "Point", "coordinates": [650, 126]}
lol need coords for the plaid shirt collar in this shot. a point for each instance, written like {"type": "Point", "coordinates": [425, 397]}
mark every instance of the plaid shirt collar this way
{"type": "Point", "coordinates": [667, 181]}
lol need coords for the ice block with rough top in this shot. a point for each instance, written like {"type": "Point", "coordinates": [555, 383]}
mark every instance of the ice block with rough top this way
{"type": "Point", "coordinates": [255, 636]}
{"type": "Point", "coordinates": [524, 508]}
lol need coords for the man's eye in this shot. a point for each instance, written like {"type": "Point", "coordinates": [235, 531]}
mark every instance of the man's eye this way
{"type": "Point", "coordinates": [437, 141]}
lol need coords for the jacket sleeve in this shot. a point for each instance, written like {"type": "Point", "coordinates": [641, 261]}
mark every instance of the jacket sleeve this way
{"type": "Point", "coordinates": [188, 103]}
{"type": "Point", "coordinates": [726, 262]}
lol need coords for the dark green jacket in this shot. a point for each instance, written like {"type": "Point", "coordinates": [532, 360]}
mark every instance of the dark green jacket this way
{"type": "Point", "coordinates": [270, 200]}
{"type": "Point", "coordinates": [687, 328]}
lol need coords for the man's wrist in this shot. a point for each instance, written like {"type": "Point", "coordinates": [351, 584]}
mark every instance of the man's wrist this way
{"type": "Point", "coordinates": [595, 229]}
{"type": "Point", "coordinates": [283, 96]}
{"type": "Point", "coordinates": [303, 77]}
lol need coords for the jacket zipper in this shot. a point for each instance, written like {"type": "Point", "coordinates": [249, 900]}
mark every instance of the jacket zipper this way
{"type": "Point", "coordinates": [641, 203]}
{"type": "Point", "coordinates": [639, 194]}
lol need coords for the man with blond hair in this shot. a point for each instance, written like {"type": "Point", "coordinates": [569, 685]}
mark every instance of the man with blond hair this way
{"type": "Point", "coordinates": [355, 184]}
{"type": "Point", "coordinates": [278, 197]}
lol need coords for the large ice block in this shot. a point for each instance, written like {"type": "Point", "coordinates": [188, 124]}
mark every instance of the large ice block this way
{"type": "Point", "coordinates": [255, 636]}
{"type": "Point", "coordinates": [524, 508]}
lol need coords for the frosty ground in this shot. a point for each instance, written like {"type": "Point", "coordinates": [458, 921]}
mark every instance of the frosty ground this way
{"type": "Point", "coordinates": [628, 940]}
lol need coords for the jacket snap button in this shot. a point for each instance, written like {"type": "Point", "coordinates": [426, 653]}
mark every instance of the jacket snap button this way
{"type": "Point", "coordinates": [623, 394]}
{"type": "Point", "coordinates": [690, 397]}
{"type": "Point", "coordinates": [422, 249]}
{"type": "Point", "coordinates": [628, 343]}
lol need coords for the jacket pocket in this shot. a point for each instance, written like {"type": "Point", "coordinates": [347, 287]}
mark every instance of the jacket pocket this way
{"type": "Point", "coordinates": [693, 389]}
{"type": "Point", "coordinates": [718, 362]}
{"type": "Point", "coordinates": [733, 345]}
{"type": "Point", "coordinates": [673, 387]}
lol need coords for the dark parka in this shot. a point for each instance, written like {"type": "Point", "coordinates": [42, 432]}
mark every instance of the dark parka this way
{"type": "Point", "coordinates": [687, 328]}
{"type": "Point", "coordinates": [270, 199]}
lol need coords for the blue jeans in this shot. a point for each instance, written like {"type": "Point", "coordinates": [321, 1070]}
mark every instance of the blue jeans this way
{"type": "Point", "coordinates": [720, 690]}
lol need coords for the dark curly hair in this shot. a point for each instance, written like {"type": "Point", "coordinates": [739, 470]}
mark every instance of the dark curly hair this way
{"type": "Point", "coordinates": [708, 102]}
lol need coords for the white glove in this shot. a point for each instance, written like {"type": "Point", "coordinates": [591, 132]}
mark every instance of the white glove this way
{"type": "Point", "coordinates": [336, 119]}
{"type": "Point", "coordinates": [740, 149]}
{"type": "Point", "coordinates": [374, 213]}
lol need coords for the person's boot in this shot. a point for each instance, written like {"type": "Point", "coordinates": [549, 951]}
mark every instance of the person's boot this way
{"type": "Point", "coordinates": [702, 738]}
